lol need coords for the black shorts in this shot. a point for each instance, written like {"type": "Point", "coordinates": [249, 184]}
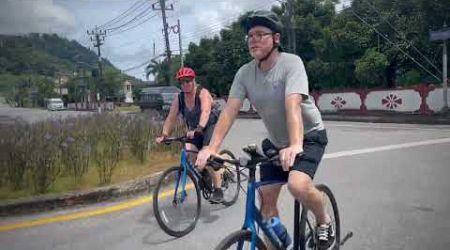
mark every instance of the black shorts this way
{"type": "Point", "coordinates": [203, 140]}
{"type": "Point", "coordinates": [314, 144]}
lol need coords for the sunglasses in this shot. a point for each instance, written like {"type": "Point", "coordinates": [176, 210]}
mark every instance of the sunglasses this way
{"type": "Point", "coordinates": [185, 81]}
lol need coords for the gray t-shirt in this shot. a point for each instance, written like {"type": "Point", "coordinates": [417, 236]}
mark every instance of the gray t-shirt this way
{"type": "Point", "coordinates": [267, 90]}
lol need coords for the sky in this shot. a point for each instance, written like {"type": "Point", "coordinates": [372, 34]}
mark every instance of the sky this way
{"type": "Point", "coordinates": [130, 45]}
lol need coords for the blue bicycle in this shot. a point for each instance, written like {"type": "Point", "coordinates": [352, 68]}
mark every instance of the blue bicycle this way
{"type": "Point", "coordinates": [176, 197]}
{"type": "Point", "coordinates": [304, 224]}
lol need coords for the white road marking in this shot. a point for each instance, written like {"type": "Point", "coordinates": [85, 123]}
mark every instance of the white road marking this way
{"type": "Point", "coordinates": [384, 148]}
{"type": "Point", "coordinates": [379, 126]}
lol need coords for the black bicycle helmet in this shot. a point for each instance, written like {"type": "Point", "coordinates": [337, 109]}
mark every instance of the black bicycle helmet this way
{"type": "Point", "coordinates": [264, 18]}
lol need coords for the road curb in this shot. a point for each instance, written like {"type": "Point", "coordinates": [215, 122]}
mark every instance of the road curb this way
{"type": "Point", "coordinates": [375, 118]}
{"type": "Point", "coordinates": [391, 118]}
{"type": "Point", "coordinates": [57, 201]}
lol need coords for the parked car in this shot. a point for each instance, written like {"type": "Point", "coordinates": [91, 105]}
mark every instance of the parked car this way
{"type": "Point", "coordinates": [159, 98]}
{"type": "Point", "coordinates": [150, 100]}
{"type": "Point", "coordinates": [55, 104]}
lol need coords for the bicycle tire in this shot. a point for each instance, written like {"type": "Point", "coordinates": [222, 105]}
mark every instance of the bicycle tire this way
{"type": "Point", "coordinates": [305, 235]}
{"type": "Point", "coordinates": [240, 236]}
{"type": "Point", "coordinates": [157, 210]}
{"type": "Point", "coordinates": [232, 170]}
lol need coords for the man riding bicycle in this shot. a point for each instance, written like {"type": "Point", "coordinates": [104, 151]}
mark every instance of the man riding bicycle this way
{"type": "Point", "coordinates": [197, 108]}
{"type": "Point", "coordinates": [276, 83]}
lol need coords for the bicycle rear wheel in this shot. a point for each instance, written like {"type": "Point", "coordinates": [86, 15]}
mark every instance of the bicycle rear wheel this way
{"type": "Point", "coordinates": [308, 223]}
{"type": "Point", "coordinates": [177, 208]}
{"type": "Point", "coordinates": [240, 240]}
{"type": "Point", "coordinates": [231, 179]}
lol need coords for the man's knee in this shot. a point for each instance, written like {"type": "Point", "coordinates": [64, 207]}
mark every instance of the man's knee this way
{"type": "Point", "coordinates": [300, 185]}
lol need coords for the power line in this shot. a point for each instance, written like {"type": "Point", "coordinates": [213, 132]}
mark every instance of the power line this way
{"type": "Point", "coordinates": [124, 15]}
{"type": "Point", "coordinates": [395, 45]}
{"type": "Point", "coordinates": [132, 27]}
{"type": "Point", "coordinates": [218, 25]}
{"type": "Point", "coordinates": [403, 37]}
{"type": "Point", "coordinates": [137, 17]}
{"type": "Point", "coordinates": [137, 66]}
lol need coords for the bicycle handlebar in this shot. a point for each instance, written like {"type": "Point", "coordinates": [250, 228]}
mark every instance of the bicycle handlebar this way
{"type": "Point", "coordinates": [181, 139]}
{"type": "Point", "coordinates": [217, 162]}
{"type": "Point", "coordinates": [255, 158]}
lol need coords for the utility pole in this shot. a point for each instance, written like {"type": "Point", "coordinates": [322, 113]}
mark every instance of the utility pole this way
{"type": "Point", "coordinates": [98, 37]}
{"type": "Point", "coordinates": [177, 30]}
{"type": "Point", "coordinates": [291, 32]}
{"type": "Point", "coordinates": [179, 42]}
{"type": "Point", "coordinates": [163, 8]}
{"type": "Point", "coordinates": [443, 35]}
{"type": "Point", "coordinates": [444, 76]}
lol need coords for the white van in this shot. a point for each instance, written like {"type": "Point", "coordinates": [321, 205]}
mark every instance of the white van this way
{"type": "Point", "coordinates": [55, 104]}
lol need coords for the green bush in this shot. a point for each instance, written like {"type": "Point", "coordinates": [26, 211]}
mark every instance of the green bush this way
{"type": "Point", "coordinates": [34, 156]}
{"type": "Point", "coordinates": [370, 69]}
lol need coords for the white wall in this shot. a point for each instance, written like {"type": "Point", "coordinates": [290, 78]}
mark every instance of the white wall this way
{"type": "Point", "coordinates": [435, 99]}
{"type": "Point", "coordinates": [339, 101]}
{"type": "Point", "coordinates": [394, 100]}
{"type": "Point", "coordinates": [220, 103]}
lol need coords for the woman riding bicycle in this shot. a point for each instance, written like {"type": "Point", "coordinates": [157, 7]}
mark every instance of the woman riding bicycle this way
{"type": "Point", "coordinates": [197, 108]}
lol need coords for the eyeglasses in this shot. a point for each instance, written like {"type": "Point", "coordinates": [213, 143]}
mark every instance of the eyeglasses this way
{"type": "Point", "coordinates": [258, 36]}
{"type": "Point", "coordinates": [185, 81]}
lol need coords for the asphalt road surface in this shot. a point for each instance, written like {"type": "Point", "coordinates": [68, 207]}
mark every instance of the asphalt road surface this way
{"type": "Point", "coordinates": [391, 182]}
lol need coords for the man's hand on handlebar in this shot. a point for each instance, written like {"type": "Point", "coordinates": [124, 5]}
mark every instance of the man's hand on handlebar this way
{"type": "Point", "coordinates": [203, 156]}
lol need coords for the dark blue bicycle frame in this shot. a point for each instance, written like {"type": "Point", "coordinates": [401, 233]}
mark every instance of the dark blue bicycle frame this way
{"type": "Point", "coordinates": [252, 213]}
{"type": "Point", "coordinates": [186, 166]}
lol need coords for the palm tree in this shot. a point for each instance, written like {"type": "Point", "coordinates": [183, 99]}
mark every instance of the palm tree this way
{"type": "Point", "coordinates": [159, 70]}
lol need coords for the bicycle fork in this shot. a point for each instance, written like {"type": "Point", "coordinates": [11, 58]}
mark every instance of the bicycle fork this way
{"type": "Point", "coordinates": [183, 177]}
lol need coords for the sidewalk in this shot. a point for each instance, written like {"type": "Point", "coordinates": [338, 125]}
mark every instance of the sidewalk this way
{"type": "Point", "coordinates": [145, 184]}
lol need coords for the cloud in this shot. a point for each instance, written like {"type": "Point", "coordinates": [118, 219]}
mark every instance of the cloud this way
{"type": "Point", "coordinates": [207, 18]}
{"type": "Point", "coordinates": [44, 16]}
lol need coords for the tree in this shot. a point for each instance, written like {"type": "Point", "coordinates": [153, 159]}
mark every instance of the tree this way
{"type": "Point", "coordinates": [110, 86]}
{"type": "Point", "coordinates": [371, 68]}
{"type": "Point", "coordinates": [374, 38]}
{"type": "Point", "coordinates": [46, 89]}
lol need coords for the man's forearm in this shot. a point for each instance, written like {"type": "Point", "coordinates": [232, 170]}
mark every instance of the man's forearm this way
{"type": "Point", "coordinates": [294, 120]}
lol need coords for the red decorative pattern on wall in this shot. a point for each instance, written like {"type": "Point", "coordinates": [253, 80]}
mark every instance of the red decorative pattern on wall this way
{"type": "Point", "coordinates": [424, 90]}
{"type": "Point", "coordinates": [362, 96]}
{"type": "Point", "coordinates": [391, 101]}
{"type": "Point", "coordinates": [338, 102]}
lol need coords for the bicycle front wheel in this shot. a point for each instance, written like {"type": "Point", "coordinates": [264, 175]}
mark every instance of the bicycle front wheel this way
{"type": "Point", "coordinates": [177, 202]}
{"type": "Point", "coordinates": [308, 223]}
{"type": "Point", "coordinates": [231, 179]}
{"type": "Point", "coordinates": [240, 240]}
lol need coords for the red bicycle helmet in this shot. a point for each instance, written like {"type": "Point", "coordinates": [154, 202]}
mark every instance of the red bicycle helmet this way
{"type": "Point", "coordinates": [185, 72]}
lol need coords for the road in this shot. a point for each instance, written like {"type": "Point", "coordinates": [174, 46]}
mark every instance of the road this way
{"type": "Point", "coordinates": [31, 115]}
{"type": "Point", "coordinates": [390, 181]}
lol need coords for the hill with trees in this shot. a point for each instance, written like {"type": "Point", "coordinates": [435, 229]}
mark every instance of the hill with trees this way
{"type": "Point", "coordinates": [32, 65]}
